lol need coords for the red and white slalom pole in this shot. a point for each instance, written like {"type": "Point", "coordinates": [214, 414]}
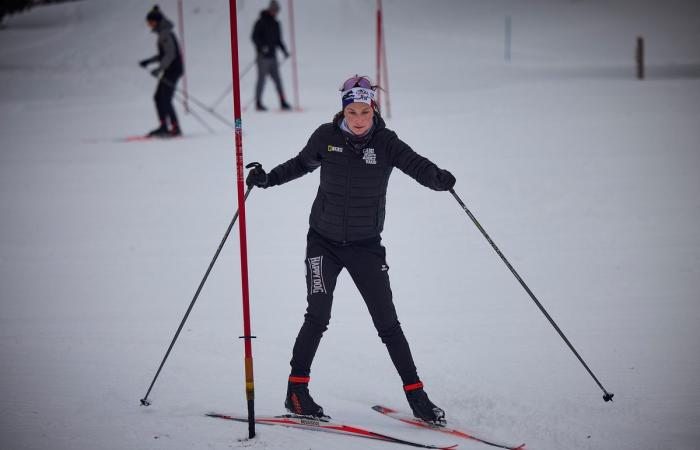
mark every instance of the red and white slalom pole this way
{"type": "Point", "coordinates": [249, 384]}
{"type": "Point", "coordinates": [379, 52]}
{"type": "Point", "coordinates": [181, 31]}
{"type": "Point", "coordinates": [382, 69]}
{"type": "Point", "coordinates": [292, 37]}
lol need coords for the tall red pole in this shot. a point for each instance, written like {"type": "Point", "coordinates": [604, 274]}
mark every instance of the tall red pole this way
{"type": "Point", "coordinates": [249, 385]}
{"type": "Point", "coordinates": [379, 52]}
{"type": "Point", "coordinates": [385, 68]}
{"type": "Point", "coordinates": [181, 30]}
{"type": "Point", "coordinates": [295, 76]}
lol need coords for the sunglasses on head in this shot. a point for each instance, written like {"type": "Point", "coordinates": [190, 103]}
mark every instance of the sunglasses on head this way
{"type": "Point", "coordinates": [357, 81]}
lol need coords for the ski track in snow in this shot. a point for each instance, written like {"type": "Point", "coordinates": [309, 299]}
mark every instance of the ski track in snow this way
{"type": "Point", "coordinates": [586, 179]}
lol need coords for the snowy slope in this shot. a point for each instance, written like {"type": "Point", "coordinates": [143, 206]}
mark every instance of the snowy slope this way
{"type": "Point", "coordinates": [586, 179]}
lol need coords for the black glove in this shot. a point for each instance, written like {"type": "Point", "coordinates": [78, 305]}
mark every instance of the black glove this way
{"type": "Point", "coordinates": [156, 72]}
{"type": "Point", "coordinates": [144, 63]}
{"type": "Point", "coordinates": [257, 177]}
{"type": "Point", "coordinates": [445, 181]}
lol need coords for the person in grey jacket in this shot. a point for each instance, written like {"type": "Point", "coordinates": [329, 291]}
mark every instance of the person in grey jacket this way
{"type": "Point", "coordinates": [267, 36]}
{"type": "Point", "coordinates": [170, 69]}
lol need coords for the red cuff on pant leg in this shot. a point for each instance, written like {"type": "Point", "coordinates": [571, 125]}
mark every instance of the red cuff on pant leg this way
{"type": "Point", "coordinates": [299, 379]}
{"type": "Point", "coordinates": [413, 387]}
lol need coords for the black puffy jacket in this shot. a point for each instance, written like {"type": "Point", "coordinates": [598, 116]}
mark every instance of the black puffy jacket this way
{"type": "Point", "coordinates": [351, 198]}
{"type": "Point", "coordinates": [267, 35]}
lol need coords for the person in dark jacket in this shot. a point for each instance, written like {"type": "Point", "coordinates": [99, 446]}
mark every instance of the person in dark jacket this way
{"type": "Point", "coordinates": [170, 69]}
{"type": "Point", "coordinates": [267, 36]}
{"type": "Point", "coordinates": [356, 154]}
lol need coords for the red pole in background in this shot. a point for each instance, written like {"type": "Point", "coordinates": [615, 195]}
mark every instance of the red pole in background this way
{"type": "Point", "coordinates": [181, 31]}
{"type": "Point", "coordinates": [379, 52]}
{"type": "Point", "coordinates": [385, 66]}
{"type": "Point", "coordinates": [249, 385]}
{"type": "Point", "coordinates": [295, 76]}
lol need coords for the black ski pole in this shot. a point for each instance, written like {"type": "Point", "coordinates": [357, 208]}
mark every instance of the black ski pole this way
{"type": "Point", "coordinates": [230, 86]}
{"type": "Point", "coordinates": [145, 401]}
{"type": "Point", "coordinates": [194, 114]}
{"type": "Point", "coordinates": [607, 396]}
{"type": "Point", "coordinates": [196, 101]}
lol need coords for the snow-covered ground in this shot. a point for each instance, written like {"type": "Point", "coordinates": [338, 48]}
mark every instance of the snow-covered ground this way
{"type": "Point", "coordinates": [587, 179]}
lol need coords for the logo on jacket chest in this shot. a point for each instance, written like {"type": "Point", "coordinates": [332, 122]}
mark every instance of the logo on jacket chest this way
{"type": "Point", "coordinates": [369, 156]}
{"type": "Point", "coordinates": [332, 148]}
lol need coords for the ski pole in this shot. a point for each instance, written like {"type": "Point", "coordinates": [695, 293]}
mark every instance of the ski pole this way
{"type": "Point", "coordinates": [230, 86]}
{"type": "Point", "coordinates": [607, 396]}
{"type": "Point", "coordinates": [196, 101]}
{"type": "Point", "coordinates": [145, 401]}
{"type": "Point", "coordinates": [194, 114]}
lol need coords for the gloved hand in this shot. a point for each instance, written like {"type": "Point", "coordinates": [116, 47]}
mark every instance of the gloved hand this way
{"type": "Point", "coordinates": [257, 177]}
{"type": "Point", "coordinates": [144, 63]}
{"type": "Point", "coordinates": [156, 72]}
{"type": "Point", "coordinates": [445, 181]}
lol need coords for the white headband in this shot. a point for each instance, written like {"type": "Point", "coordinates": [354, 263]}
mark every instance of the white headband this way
{"type": "Point", "coordinates": [359, 95]}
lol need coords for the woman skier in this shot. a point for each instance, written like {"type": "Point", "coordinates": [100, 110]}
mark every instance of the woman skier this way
{"type": "Point", "coordinates": [356, 153]}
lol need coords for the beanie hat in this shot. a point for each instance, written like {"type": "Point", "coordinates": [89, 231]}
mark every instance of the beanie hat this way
{"type": "Point", "coordinates": [274, 5]}
{"type": "Point", "coordinates": [154, 15]}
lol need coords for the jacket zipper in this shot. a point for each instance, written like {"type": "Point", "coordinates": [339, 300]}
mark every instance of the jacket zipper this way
{"type": "Point", "coordinates": [347, 200]}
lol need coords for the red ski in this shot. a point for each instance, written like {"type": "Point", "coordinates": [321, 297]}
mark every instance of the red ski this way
{"type": "Point", "coordinates": [306, 423]}
{"type": "Point", "coordinates": [148, 138]}
{"type": "Point", "coordinates": [419, 423]}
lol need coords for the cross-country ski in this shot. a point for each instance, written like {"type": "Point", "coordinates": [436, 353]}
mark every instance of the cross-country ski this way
{"type": "Point", "coordinates": [329, 426]}
{"type": "Point", "coordinates": [443, 429]}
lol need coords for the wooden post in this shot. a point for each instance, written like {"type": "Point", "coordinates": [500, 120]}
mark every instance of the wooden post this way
{"type": "Point", "coordinates": [640, 57]}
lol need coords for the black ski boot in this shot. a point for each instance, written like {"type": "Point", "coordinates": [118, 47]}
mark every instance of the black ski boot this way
{"type": "Point", "coordinates": [284, 105]}
{"type": "Point", "coordinates": [299, 400]}
{"type": "Point", "coordinates": [422, 407]}
{"type": "Point", "coordinates": [161, 131]}
{"type": "Point", "coordinates": [260, 107]}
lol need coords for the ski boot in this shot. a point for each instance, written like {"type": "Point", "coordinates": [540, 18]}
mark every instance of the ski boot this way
{"type": "Point", "coordinates": [161, 131]}
{"type": "Point", "coordinates": [260, 107]}
{"type": "Point", "coordinates": [284, 105]}
{"type": "Point", "coordinates": [422, 407]}
{"type": "Point", "coordinates": [299, 401]}
{"type": "Point", "coordinates": [175, 130]}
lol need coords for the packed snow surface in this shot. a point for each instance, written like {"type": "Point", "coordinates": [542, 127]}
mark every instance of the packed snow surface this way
{"type": "Point", "coordinates": [586, 178]}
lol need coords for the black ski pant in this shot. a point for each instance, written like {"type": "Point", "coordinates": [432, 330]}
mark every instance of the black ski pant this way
{"type": "Point", "coordinates": [164, 98]}
{"type": "Point", "coordinates": [366, 264]}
